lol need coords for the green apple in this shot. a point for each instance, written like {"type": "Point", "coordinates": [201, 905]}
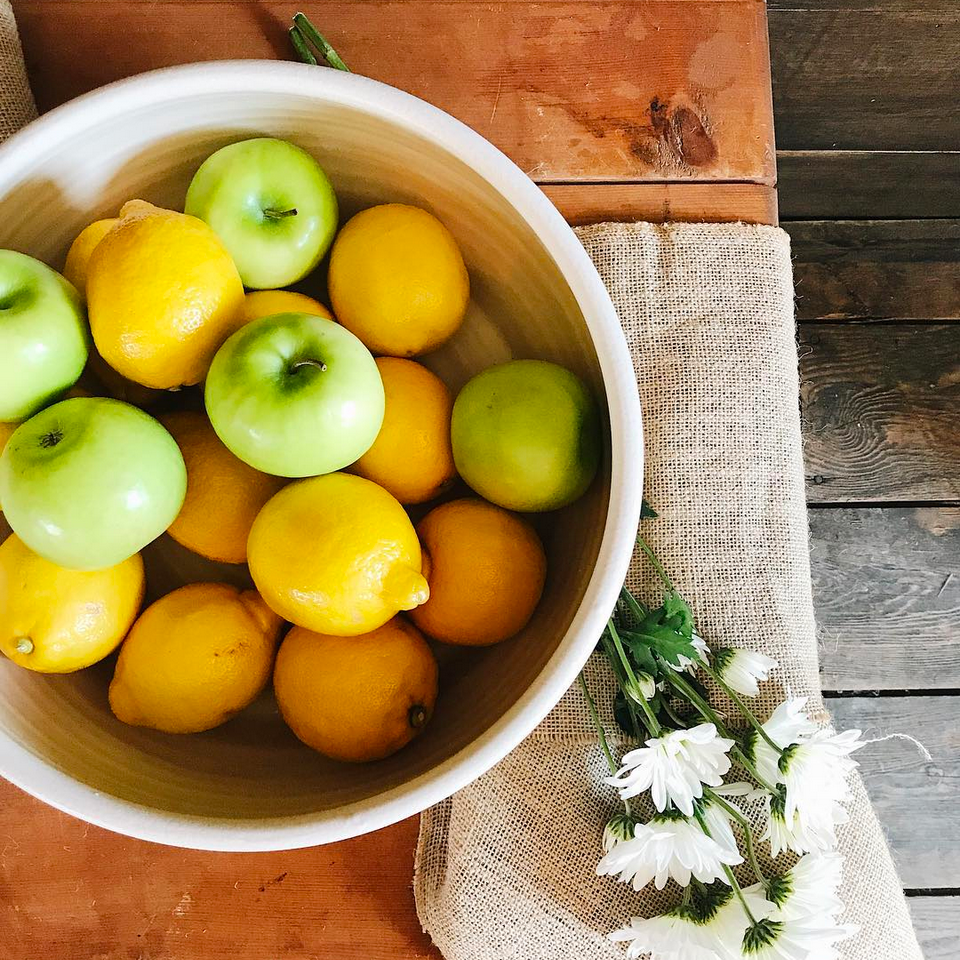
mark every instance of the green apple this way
{"type": "Point", "coordinates": [295, 395]}
{"type": "Point", "coordinates": [526, 435]}
{"type": "Point", "coordinates": [43, 335]}
{"type": "Point", "coordinates": [272, 206]}
{"type": "Point", "coordinates": [89, 481]}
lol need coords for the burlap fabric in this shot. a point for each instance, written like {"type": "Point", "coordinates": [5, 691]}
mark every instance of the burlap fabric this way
{"type": "Point", "coordinates": [16, 100]}
{"type": "Point", "coordinates": [505, 869]}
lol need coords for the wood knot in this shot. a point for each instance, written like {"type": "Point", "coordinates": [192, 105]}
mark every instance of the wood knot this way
{"type": "Point", "coordinates": [683, 133]}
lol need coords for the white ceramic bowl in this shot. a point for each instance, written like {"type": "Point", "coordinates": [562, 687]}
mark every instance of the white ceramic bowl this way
{"type": "Point", "coordinates": [250, 785]}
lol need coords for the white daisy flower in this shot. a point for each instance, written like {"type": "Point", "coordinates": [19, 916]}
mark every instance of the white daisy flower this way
{"type": "Point", "coordinates": [808, 889]}
{"type": "Point", "coordinates": [741, 669]}
{"type": "Point", "coordinates": [788, 724]}
{"type": "Point", "coordinates": [718, 822]}
{"type": "Point", "coordinates": [619, 827]}
{"type": "Point", "coordinates": [815, 773]}
{"type": "Point", "coordinates": [669, 846]}
{"type": "Point", "coordinates": [674, 767]}
{"type": "Point", "coordinates": [810, 836]}
{"type": "Point", "coordinates": [806, 938]}
{"type": "Point", "coordinates": [713, 930]}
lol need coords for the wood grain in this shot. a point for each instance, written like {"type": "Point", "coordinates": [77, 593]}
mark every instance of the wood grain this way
{"type": "Point", "coordinates": [876, 269]}
{"type": "Point", "coordinates": [71, 891]}
{"type": "Point", "coordinates": [855, 74]}
{"type": "Point", "coordinates": [886, 588]}
{"type": "Point", "coordinates": [916, 799]}
{"type": "Point", "coordinates": [582, 203]}
{"type": "Point", "coordinates": [880, 411]}
{"type": "Point", "coordinates": [865, 185]}
{"type": "Point", "coordinates": [937, 922]}
{"type": "Point", "coordinates": [661, 90]}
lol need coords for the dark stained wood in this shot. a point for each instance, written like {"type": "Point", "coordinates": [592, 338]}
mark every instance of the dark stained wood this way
{"type": "Point", "coordinates": [583, 203]}
{"type": "Point", "coordinates": [863, 74]}
{"type": "Point", "coordinates": [916, 799]}
{"type": "Point", "coordinates": [838, 185]}
{"type": "Point", "coordinates": [660, 90]}
{"type": "Point", "coordinates": [880, 407]}
{"type": "Point", "coordinates": [876, 270]}
{"type": "Point", "coordinates": [937, 922]}
{"type": "Point", "coordinates": [886, 586]}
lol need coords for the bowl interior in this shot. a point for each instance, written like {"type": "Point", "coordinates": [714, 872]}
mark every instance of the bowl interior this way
{"type": "Point", "coordinates": [253, 769]}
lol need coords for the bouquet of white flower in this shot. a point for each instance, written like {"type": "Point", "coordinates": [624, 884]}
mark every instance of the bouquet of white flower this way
{"type": "Point", "coordinates": [798, 778]}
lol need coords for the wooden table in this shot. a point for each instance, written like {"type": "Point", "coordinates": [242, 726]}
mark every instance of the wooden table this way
{"type": "Point", "coordinates": [657, 110]}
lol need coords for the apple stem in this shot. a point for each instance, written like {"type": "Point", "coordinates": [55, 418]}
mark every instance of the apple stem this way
{"type": "Point", "coordinates": [280, 214]}
{"type": "Point", "coordinates": [306, 31]}
{"type": "Point", "coordinates": [319, 364]}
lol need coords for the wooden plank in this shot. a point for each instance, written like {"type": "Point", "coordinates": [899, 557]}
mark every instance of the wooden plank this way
{"type": "Point", "coordinates": [862, 74]}
{"type": "Point", "coordinates": [886, 588]}
{"type": "Point", "coordinates": [863, 185]}
{"type": "Point", "coordinates": [72, 890]}
{"type": "Point", "coordinates": [582, 203]}
{"type": "Point", "coordinates": [663, 90]}
{"type": "Point", "coordinates": [876, 269]}
{"type": "Point", "coordinates": [915, 799]}
{"type": "Point", "coordinates": [880, 406]}
{"type": "Point", "coordinates": [937, 922]}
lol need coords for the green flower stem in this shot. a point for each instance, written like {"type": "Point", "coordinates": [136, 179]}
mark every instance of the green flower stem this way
{"type": "Point", "coordinates": [679, 682]}
{"type": "Point", "coordinates": [652, 724]}
{"type": "Point", "coordinates": [309, 32]}
{"type": "Point", "coordinates": [636, 608]}
{"type": "Point", "coordinates": [747, 831]}
{"type": "Point", "coordinates": [674, 716]}
{"type": "Point", "coordinates": [727, 872]}
{"type": "Point", "coordinates": [614, 660]}
{"type": "Point", "coordinates": [741, 706]}
{"type": "Point", "coordinates": [300, 45]}
{"type": "Point", "coordinates": [595, 717]}
{"type": "Point", "coordinates": [652, 557]}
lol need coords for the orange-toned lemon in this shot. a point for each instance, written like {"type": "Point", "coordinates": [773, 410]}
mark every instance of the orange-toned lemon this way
{"type": "Point", "coordinates": [162, 295]}
{"type": "Point", "coordinates": [397, 280]}
{"type": "Point", "coordinates": [411, 457]}
{"type": "Point", "coordinates": [195, 658]}
{"type": "Point", "coordinates": [78, 256]}
{"type": "Point", "coordinates": [486, 568]}
{"type": "Point", "coordinates": [356, 698]}
{"type": "Point", "coordinates": [336, 554]}
{"type": "Point", "coordinates": [55, 620]}
{"type": "Point", "coordinates": [265, 303]}
{"type": "Point", "coordinates": [224, 494]}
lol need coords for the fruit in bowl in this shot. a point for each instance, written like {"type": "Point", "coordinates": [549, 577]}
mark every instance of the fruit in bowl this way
{"type": "Point", "coordinates": [533, 290]}
{"type": "Point", "coordinates": [88, 482]}
{"type": "Point", "coordinates": [272, 206]}
{"type": "Point", "coordinates": [295, 395]}
{"type": "Point", "coordinates": [43, 335]}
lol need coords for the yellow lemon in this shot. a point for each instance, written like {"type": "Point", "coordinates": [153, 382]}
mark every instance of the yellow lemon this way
{"type": "Point", "coordinates": [265, 303]}
{"type": "Point", "coordinates": [336, 554]}
{"type": "Point", "coordinates": [78, 256]}
{"type": "Point", "coordinates": [397, 280]}
{"type": "Point", "coordinates": [195, 658]}
{"type": "Point", "coordinates": [224, 494]}
{"type": "Point", "coordinates": [55, 620]}
{"type": "Point", "coordinates": [356, 698]}
{"type": "Point", "coordinates": [162, 295]}
{"type": "Point", "coordinates": [486, 568]}
{"type": "Point", "coordinates": [412, 457]}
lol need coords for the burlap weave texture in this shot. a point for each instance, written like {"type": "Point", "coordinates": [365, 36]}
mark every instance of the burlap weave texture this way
{"type": "Point", "coordinates": [505, 869]}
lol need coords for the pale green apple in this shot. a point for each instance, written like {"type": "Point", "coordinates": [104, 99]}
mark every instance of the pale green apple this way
{"type": "Point", "coordinates": [272, 206]}
{"type": "Point", "coordinates": [526, 435]}
{"type": "Point", "coordinates": [88, 482]}
{"type": "Point", "coordinates": [295, 395]}
{"type": "Point", "coordinates": [43, 335]}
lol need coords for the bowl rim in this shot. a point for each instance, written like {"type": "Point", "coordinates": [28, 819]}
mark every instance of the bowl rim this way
{"type": "Point", "coordinates": [44, 781]}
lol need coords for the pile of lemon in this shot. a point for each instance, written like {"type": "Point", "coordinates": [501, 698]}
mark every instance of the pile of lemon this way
{"type": "Point", "coordinates": [335, 555]}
